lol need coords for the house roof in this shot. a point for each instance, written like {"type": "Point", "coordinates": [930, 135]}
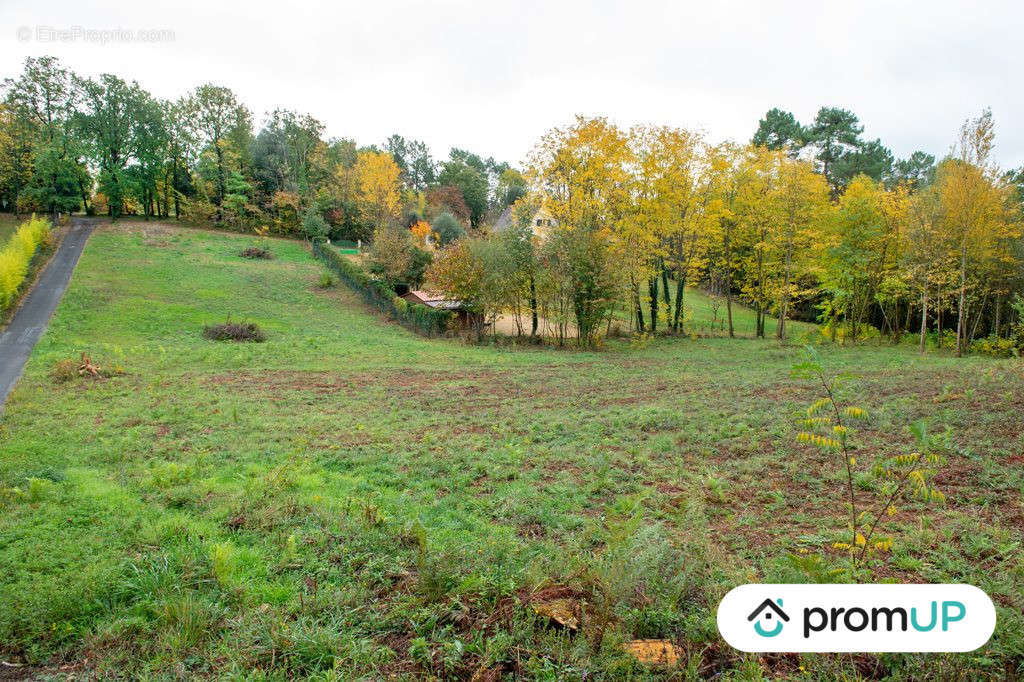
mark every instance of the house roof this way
{"type": "Point", "coordinates": [431, 299]}
{"type": "Point", "coordinates": [504, 220]}
{"type": "Point", "coordinates": [775, 607]}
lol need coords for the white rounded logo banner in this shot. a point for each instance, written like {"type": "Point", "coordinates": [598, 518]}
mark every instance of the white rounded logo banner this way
{"type": "Point", "coordinates": [856, 618]}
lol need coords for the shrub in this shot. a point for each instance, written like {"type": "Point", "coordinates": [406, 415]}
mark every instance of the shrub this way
{"type": "Point", "coordinates": [995, 347]}
{"type": "Point", "coordinates": [16, 256]}
{"type": "Point", "coordinates": [234, 331]}
{"type": "Point", "coordinates": [829, 425]}
{"type": "Point", "coordinates": [326, 281]}
{"type": "Point", "coordinates": [448, 228]}
{"type": "Point", "coordinates": [67, 370]}
{"type": "Point", "coordinates": [63, 371]}
{"type": "Point", "coordinates": [315, 227]}
{"type": "Point", "coordinates": [256, 252]}
{"type": "Point", "coordinates": [416, 316]}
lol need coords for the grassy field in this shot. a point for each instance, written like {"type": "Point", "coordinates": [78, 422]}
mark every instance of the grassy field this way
{"type": "Point", "coordinates": [348, 499]}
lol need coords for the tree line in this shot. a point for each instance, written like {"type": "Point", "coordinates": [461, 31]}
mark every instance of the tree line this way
{"type": "Point", "coordinates": [805, 222]}
{"type": "Point", "coordinates": [107, 146]}
{"type": "Point", "coordinates": [606, 227]}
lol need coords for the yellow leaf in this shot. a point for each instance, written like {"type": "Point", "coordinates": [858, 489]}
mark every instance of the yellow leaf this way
{"type": "Point", "coordinates": [562, 611]}
{"type": "Point", "coordinates": [653, 651]}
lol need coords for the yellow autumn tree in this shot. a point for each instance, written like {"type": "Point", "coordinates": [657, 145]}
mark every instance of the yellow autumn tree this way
{"type": "Point", "coordinates": [583, 173]}
{"type": "Point", "coordinates": [378, 187]}
{"type": "Point", "coordinates": [926, 258]}
{"type": "Point", "coordinates": [803, 213]}
{"type": "Point", "coordinates": [421, 233]}
{"type": "Point", "coordinates": [979, 217]}
{"type": "Point", "coordinates": [671, 209]}
{"type": "Point", "coordinates": [757, 220]}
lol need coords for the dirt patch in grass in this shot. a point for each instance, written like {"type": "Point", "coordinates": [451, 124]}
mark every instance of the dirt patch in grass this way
{"type": "Point", "coordinates": [275, 382]}
{"type": "Point", "coordinates": [531, 531]}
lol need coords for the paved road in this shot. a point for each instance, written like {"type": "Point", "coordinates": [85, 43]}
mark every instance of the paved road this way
{"type": "Point", "coordinates": [31, 319]}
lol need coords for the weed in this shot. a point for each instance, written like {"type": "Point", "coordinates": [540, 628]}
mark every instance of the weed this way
{"type": "Point", "coordinates": [63, 371]}
{"type": "Point", "coordinates": [234, 331]}
{"type": "Point", "coordinates": [827, 424]}
{"type": "Point", "coordinates": [66, 370]}
{"type": "Point", "coordinates": [256, 253]}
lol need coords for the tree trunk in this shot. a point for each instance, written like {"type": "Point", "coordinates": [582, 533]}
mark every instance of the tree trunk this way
{"type": "Point", "coordinates": [533, 307]}
{"type": "Point", "coordinates": [654, 304]}
{"type": "Point", "coordinates": [680, 290]}
{"type": "Point", "coordinates": [924, 317]}
{"type": "Point", "coordinates": [780, 330]}
{"type": "Point", "coordinates": [728, 310]}
{"type": "Point", "coordinates": [667, 294]}
{"type": "Point", "coordinates": [977, 320]}
{"type": "Point", "coordinates": [221, 180]}
{"type": "Point", "coordinates": [174, 189]}
{"type": "Point", "coordinates": [640, 327]}
{"type": "Point", "coordinates": [728, 280]}
{"type": "Point", "coordinates": [961, 322]}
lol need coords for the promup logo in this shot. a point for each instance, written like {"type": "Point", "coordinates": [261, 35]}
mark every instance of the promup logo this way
{"type": "Point", "coordinates": [847, 618]}
{"type": "Point", "coordinates": [766, 611]}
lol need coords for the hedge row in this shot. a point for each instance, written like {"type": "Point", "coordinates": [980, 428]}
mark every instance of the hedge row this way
{"type": "Point", "coordinates": [416, 316]}
{"type": "Point", "coordinates": [16, 256]}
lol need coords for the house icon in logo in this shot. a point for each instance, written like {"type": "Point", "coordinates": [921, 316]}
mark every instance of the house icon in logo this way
{"type": "Point", "coordinates": [768, 611]}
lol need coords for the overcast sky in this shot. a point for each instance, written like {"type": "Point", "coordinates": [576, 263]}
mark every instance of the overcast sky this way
{"type": "Point", "coordinates": [492, 77]}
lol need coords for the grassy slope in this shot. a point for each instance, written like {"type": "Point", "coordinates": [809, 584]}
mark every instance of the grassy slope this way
{"type": "Point", "coordinates": [350, 494]}
{"type": "Point", "coordinates": [708, 321]}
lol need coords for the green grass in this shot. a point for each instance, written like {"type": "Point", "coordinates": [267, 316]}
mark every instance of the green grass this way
{"type": "Point", "coordinates": [349, 499]}
{"type": "Point", "coordinates": [707, 316]}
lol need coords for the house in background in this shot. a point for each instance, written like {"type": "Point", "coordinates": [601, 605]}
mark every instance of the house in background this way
{"type": "Point", "coordinates": [539, 223]}
{"type": "Point", "coordinates": [464, 318]}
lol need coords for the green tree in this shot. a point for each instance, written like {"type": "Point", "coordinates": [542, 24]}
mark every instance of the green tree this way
{"type": "Point", "coordinates": [916, 171]}
{"type": "Point", "coordinates": [779, 130]}
{"type": "Point", "coordinates": [108, 120]}
{"type": "Point", "coordinates": [182, 149]}
{"type": "Point", "coordinates": [44, 100]}
{"type": "Point", "coordinates": [511, 186]}
{"type": "Point", "coordinates": [16, 145]}
{"type": "Point", "coordinates": [834, 134]}
{"type": "Point", "coordinates": [471, 182]}
{"type": "Point", "coordinates": [867, 158]}
{"type": "Point", "coordinates": [448, 228]}
{"type": "Point", "coordinates": [219, 119]}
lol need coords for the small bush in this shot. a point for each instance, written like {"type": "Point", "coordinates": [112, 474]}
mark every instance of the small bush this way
{"type": "Point", "coordinates": [234, 331]}
{"type": "Point", "coordinates": [315, 227]}
{"type": "Point", "coordinates": [63, 371]}
{"type": "Point", "coordinates": [448, 228]}
{"type": "Point", "coordinates": [256, 252]}
{"type": "Point", "coordinates": [67, 370]}
{"type": "Point", "coordinates": [995, 347]}
{"type": "Point", "coordinates": [326, 281]}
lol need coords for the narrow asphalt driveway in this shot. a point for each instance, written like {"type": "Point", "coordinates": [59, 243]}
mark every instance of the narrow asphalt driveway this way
{"type": "Point", "coordinates": [31, 319]}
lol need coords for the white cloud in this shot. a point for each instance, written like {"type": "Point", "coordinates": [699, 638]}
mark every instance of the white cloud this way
{"type": "Point", "coordinates": [491, 77]}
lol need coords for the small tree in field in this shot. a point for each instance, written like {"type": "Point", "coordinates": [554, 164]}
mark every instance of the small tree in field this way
{"type": "Point", "coordinates": [391, 255]}
{"type": "Point", "coordinates": [827, 425]}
